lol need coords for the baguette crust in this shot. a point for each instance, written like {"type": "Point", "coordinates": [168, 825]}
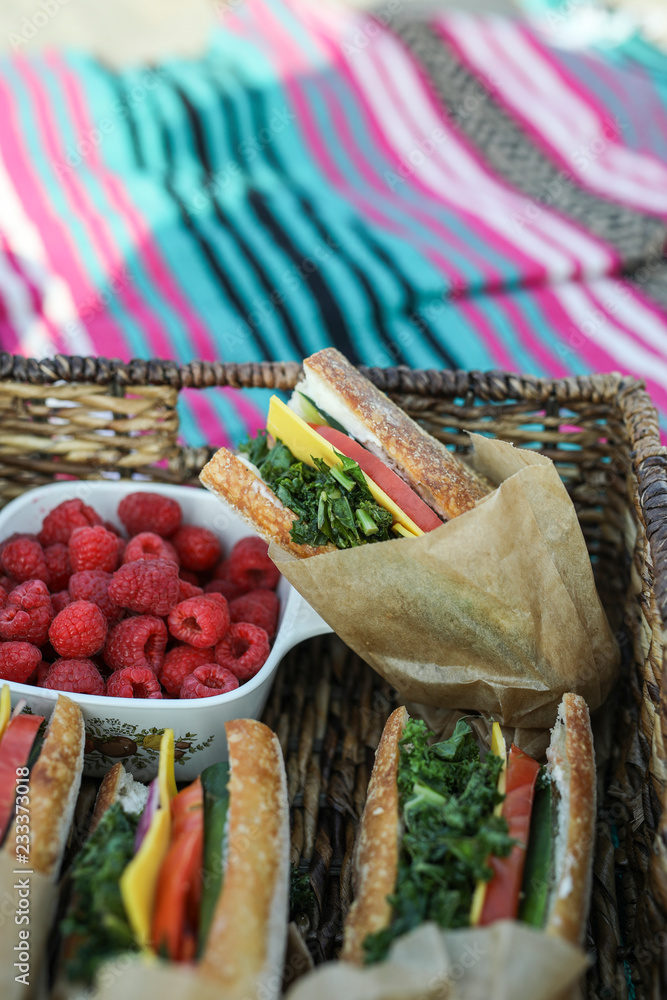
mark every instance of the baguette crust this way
{"type": "Point", "coordinates": [107, 794]}
{"type": "Point", "coordinates": [378, 844]}
{"type": "Point", "coordinates": [248, 496]}
{"type": "Point", "coordinates": [439, 478]}
{"type": "Point", "coordinates": [572, 767]}
{"type": "Point", "coordinates": [246, 945]}
{"type": "Point", "coordinates": [54, 786]}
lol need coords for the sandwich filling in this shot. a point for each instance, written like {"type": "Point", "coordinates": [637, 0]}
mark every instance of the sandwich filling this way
{"type": "Point", "coordinates": [465, 856]}
{"type": "Point", "coordinates": [447, 800]}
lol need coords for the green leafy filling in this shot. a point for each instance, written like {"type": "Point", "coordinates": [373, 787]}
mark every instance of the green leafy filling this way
{"type": "Point", "coordinates": [331, 504]}
{"type": "Point", "coordinates": [96, 916]}
{"type": "Point", "coordinates": [301, 895]}
{"type": "Point", "coordinates": [446, 796]}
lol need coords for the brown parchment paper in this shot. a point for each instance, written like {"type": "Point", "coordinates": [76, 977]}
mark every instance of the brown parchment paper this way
{"type": "Point", "coordinates": [495, 611]}
{"type": "Point", "coordinates": [506, 961]}
{"type": "Point", "coordinates": [42, 897]}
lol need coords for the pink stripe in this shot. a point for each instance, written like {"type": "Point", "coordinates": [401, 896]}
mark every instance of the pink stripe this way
{"type": "Point", "coordinates": [596, 358]}
{"type": "Point", "coordinates": [484, 329]}
{"type": "Point", "coordinates": [64, 256]}
{"type": "Point", "coordinates": [34, 293]}
{"type": "Point", "coordinates": [547, 360]}
{"type": "Point", "coordinates": [164, 280]}
{"type": "Point", "coordinates": [249, 412]}
{"type": "Point", "coordinates": [95, 222]}
{"type": "Point", "coordinates": [633, 332]}
{"type": "Point", "coordinates": [212, 429]}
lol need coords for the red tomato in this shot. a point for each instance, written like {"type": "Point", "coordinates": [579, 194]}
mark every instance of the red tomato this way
{"type": "Point", "coordinates": [502, 892]}
{"type": "Point", "coordinates": [395, 488]}
{"type": "Point", "coordinates": [176, 911]}
{"type": "Point", "coordinates": [14, 753]}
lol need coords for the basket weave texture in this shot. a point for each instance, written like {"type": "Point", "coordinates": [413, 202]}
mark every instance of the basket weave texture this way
{"type": "Point", "coordinates": [327, 707]}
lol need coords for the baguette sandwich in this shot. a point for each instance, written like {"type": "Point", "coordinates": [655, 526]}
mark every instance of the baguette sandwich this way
{"type": "Point", "coordinates": [339, 466]}
{"type": "Point", "coordinates": [40, 777]}
{"type": "Point", "coordinates": [198, 877]}
{"type": "Point", "coordinates": [450, 837]}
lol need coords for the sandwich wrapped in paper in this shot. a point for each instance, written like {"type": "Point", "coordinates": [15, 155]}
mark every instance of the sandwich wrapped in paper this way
{"type": "Point", "coordinates": [481, 594]}
{"type": "Point", "coordinates": [473, 872]}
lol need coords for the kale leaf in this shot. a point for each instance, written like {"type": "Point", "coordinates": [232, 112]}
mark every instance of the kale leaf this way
{"type": "Point", "coordinates": [96, 915]}
{"type": "Point", "coordinates": [331, 504]}
{"type": "Point", "coordinates": [447, 796]}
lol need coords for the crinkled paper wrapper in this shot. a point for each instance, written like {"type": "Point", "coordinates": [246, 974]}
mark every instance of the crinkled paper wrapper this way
{"type": "Point", "coordinates": [496, 611]}
{"type": "Point", "coordinates": [507, 961]}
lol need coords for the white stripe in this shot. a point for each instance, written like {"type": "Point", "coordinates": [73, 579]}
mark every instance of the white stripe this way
{"type": "Point", "coordinates": [529, 85]}
{"type": "Point", "coordinates": [624, 301]}
{"type": "Point", "coordinates": [30, 329]}
{"type": "Point", "coordinates": [26, 243]}
{"type": "Point", "coordinates": [601, 330]}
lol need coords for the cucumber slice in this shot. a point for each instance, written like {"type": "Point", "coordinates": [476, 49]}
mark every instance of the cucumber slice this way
{"type": "Point", "coordinates": [316, 415]}
{"type": "Point", "coordinates": [538, 871]}
{"type": "Point", "coordinates": [216, 805]}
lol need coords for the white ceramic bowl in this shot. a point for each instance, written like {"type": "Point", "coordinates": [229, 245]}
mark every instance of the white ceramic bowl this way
{"type": "Point", "coordinates": [129, 729]}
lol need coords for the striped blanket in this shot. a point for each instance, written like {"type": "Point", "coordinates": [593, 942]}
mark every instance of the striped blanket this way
{"type": "Point", "coordinates": [457, 192]}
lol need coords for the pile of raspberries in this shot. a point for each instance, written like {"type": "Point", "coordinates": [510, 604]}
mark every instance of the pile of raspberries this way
{"type": "Point", "coordinates": [161, 614]}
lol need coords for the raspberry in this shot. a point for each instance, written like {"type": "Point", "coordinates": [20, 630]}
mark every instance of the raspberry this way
{"type": "Point", "coordinates": [243, 650]}
{"type": "Point", "coordinates": [61, 600]}
{"type": "Point", "coordinates": [149, 586]}
{"type": "Point", "coordinates": [179, 663]}
{"type": "Point", "coordinates": [41, 673]}
{"type": "Point", "coordinates": [24, 560]}
{"type": "Point", "coordinates": [250, 566]}
{"type": "Point", "coordinates": [148, 545]}
{"type": "Point", "coordinates": [4, 594]}
{"type": "Point", "coordinates": [149, 512]}
{"type": "Point", "coordinates": [190, 577]}
{"type": "Point", "coordinates": [93, 548]}
{"type": "Point", "coordinates": [63, 519]}
{"type": "Point", "coordinates": [93, 585]}
{"type": "Point", "coordinates": [198, 548]}
{"type": "Point", "coordinates": [18, 661]}
{"type": "Point", "coordinates": [136, 642]}
{"type": "Point", "coordinates": [207, 681]}
{"type": "Point", "coordinates": [199, 621]}
{"type": "Point", "coordinates": [133, 682]}
{"type": "Point", "coordinates": [81, 676]}
{"type": "Point", "coordinates": [58, 567]}
{"type": "Point", "coordinates": [259, 607]}
{"type": "Point", "coordinates": [187, 589]}
{"type": "Point", "coordinates": [78, 630]}
{"type": "Point", "coordinates": [110, 526]}
{"type": "Point", "coordinates": [228, 589]}
{"type": "Point", "coordinates": [28, 613]}
{"type": "Point", "coordinates": [8, 583]}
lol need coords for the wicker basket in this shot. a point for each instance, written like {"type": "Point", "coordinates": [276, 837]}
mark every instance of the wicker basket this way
{"type": "Point", "coordinates": [328, 707]}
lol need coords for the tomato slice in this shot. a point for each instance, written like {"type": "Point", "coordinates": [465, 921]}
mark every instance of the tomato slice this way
{"type": "Point", "coordinates": [501, 901]}
{"type": "Point", "coordinates": [384, 477]}
{"type": "Point", "coordinates": [177, 898]}
{"type": "Point", "coordinates": [14, 753]}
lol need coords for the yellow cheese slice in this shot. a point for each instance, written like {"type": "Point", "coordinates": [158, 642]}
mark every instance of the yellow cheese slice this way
{"type": "Point", "coordinates": [139, 880]}
{"type": "Point", "coordinates": [306, 444]}
{"type": "Point", "coordinates": [498, 749]}
{"type": "Point", "coordinates": [165, 775]}
{"type": "Point", "coordinates": [5, 708]}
